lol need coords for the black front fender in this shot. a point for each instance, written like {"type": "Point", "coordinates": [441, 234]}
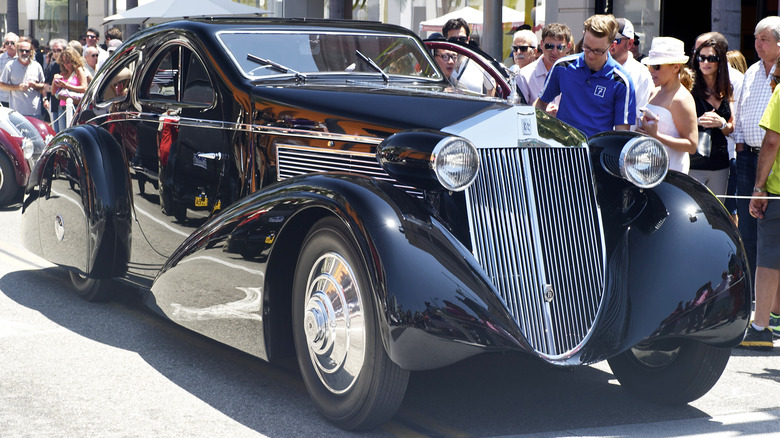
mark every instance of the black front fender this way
{"type": "Point", "coordinates": [429, 292]}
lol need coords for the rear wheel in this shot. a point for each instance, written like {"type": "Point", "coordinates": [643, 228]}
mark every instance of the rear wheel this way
{"type": "Point", "coordinates": [670, 372]}
{"type": "Point", "coordinates": [345, 367]}
{"type": "Point", "coordinates": [90, 289]}
{"type": "Point", "coordinates": [8, 186]}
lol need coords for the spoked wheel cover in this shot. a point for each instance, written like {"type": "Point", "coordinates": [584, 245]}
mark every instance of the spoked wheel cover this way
{"type": "Point", "coordinates": [334, 323]}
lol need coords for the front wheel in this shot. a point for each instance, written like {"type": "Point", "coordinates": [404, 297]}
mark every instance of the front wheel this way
{"type": "Point", "coordinates": [344, 365]}
{"type": "Point", "coordinates": [90, 289]}
{"type": "Point", "coordinates": [670, 372]}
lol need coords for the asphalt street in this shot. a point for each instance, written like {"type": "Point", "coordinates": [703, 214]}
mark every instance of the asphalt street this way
{"type": "Point", "coordinates": [69, 368]}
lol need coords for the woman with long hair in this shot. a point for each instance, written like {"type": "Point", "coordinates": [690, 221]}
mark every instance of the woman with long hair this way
{"type": "Point", "coordinates": [670, 114]}
{"type": "Point", "coordinates": [713, 95]}
{"type": "Point", "coordinates": [71, 82]}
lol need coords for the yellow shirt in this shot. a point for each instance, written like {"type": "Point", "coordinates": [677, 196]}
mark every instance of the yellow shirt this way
{"type": "Point", "coordinates": [771, 120]}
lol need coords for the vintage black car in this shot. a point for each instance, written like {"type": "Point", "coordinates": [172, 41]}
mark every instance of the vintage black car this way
{"type": "Point", "coordinates": [316, 188]}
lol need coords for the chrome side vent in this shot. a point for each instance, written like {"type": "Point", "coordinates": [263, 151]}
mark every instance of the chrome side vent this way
{"type": "Point", "coordinates": [294, 160]}
{"type": "Point", "coordinates": [536, 230]}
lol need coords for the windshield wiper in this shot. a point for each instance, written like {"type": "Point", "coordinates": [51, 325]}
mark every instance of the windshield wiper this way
{"type": "Point", "coordinates": [276, 66]}
{"type": "Point", "coordinates": [374, 66]}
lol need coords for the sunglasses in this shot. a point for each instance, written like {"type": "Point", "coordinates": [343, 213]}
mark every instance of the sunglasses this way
{"type": "Point", "coordinates": [91, 37]}
{"type": "Point", "coordinates": [655, 67]}
{"type": "Point", "coordinates": [560, 47]}
{"type": "Point", "coordinates": [93, 56]}
{"type": "Point", "coordinates": [9, 43]}
{"type": "Point", "coordinates": [710, 58]}
{"type": "Point", "coordinates": [618, 41]}
{"type": "Point", "coordinates": [522, 48]}
{"type": "Point", "coordinates": [459, 39]}
{"type": "Point", "coordinates": [57, 50]}
{"type": "Point", "coordinates": [448, 57]}
{"type": "Point", "coordinates": [24, 50]}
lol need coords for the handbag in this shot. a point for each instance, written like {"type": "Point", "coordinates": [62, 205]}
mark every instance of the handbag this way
{"type": "Point", "coordinates": [705, 144]}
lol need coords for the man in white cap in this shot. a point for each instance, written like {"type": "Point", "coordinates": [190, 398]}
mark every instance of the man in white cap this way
{"type": "Point", "coordinates": [621, 52]}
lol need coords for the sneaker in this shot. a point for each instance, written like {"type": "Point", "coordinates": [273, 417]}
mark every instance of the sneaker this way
{"type": "Point", "coordinates": [774, 324]}
{"type": "Point", "coordinates": [761, 340]}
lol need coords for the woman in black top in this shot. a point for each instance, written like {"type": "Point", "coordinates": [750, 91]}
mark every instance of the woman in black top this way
{"type": "Point", "coordinates": [713, 94]}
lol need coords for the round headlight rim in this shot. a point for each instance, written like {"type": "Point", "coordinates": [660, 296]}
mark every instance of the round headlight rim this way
{"type": "Point", "coordinates": [629, 146]}
{"type": "Point", "coordinates": [437, 152]}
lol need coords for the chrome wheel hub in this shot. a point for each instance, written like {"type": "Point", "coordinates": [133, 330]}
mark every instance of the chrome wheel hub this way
{"type": "Point", "coordinates": [333, 323]}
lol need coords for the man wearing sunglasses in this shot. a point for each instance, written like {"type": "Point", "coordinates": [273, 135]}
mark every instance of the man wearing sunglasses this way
{"type": "Point", "coordinates": [467, 74]}
{"type": "Point", "coordinates": [555, 45]}
{"type": "Point", "coordinates": [596, 93]}
{"type": "Point", "coordinates": [523, 49]}
{"type": "Point", "coordinates": [621, 52]}
{"type": "Point", "coordinates": [23, 78]}
{"type": "Point", "coordinates": [9, 44]}
{"type": "Point", "coordinates": [92, 39]}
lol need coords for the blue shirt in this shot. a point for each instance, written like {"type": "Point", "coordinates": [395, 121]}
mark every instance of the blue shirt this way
{"type": "Point", "coordinates": [592, 102]}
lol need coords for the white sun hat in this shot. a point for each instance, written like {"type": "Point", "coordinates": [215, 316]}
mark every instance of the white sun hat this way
{"type": "Point", "coordinates": [666, 50]}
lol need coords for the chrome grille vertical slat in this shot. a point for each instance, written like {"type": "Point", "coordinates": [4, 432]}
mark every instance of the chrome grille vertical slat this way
{"type": "Point", "coordinates": [535, 222]}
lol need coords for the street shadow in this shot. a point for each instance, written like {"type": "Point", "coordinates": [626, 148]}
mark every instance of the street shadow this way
{"type": "Point", "coordinates": [488, 395]}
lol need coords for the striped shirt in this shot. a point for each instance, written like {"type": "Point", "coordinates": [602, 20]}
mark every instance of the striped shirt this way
{"type": "Point", "coordinates": [591, 101]}
{"type": "Point", "coordinates": [756, 91]}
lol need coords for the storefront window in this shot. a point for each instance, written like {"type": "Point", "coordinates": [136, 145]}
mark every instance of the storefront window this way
{"type": "Point", "coordinates": [59, 19]}
{"type": "Point", "coordinates": [644, 15]}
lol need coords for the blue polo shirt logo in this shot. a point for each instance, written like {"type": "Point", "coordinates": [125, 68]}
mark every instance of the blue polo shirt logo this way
{"type": "Point", "coordinates": [600, 91]}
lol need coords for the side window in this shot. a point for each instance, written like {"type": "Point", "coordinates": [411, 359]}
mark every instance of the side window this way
{"type": "Point", "coordinates": [162, 81]}
{"type": "Point", "coordinates": [197, 86]}
{"type": "Point", "coordinates": [116, 86]}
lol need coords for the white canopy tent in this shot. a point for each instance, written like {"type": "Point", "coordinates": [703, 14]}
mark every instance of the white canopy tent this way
{"type": "Point", "coordinates": [161, 11]}
{"type": "Point", "coordinates": [510, 18]}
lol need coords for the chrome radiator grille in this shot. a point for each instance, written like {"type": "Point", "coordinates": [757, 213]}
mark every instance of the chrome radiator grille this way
{"type": "Point", "coordinates": [536, 230]}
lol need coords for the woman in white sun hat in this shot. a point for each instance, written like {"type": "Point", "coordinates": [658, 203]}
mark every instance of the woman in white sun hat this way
{"type": "Point", "coordinates": [670, 115]}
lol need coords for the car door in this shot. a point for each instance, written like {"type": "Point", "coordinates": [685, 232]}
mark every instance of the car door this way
{"type": "Point", "coordinates": [191, 147]}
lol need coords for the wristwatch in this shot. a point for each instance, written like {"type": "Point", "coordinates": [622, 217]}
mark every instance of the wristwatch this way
{"type": "Point", "coordinates": [725, 122]}
{"type": "Point", "coordinates": [759, 189]}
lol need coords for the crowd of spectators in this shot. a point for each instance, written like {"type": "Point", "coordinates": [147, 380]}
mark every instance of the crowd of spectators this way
{"type": "Point", "coordinates": [38, 82]}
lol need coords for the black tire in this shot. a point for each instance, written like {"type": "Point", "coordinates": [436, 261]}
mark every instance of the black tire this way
{"type": "Point", "coordinates": [90, 289]}
{"type": "Point", "coordinates": [8, 186]}
{"type": "Point", "coordinates": [352, 381]}
{"type": "Point", "coordinates": [671, 372]}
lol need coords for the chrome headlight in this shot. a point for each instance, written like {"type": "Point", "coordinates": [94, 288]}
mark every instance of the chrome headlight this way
{"type": "Point", "coordinates": [644, 162]}
{"type": "Point", "coordinates": [455, 163]}
{"type": "Point", "coordinates": [28, 147]}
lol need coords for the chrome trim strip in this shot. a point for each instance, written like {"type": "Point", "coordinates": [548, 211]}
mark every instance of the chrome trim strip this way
{"type": "Point", "coordinates": [232, 126]}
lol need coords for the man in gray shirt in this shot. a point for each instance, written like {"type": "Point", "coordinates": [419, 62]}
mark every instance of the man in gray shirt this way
{"type": "Point", "coordinates": [9, 43]}
{"type": "Point", "coordinates": [24, 79]}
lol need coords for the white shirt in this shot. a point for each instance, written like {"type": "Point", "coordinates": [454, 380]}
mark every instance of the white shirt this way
{"type": "Point", "coordinates": [5, 96]}
{"type": "Point", "coordinates": [736, 78]}
{"type": "Point", "coordinates": [753, 99]}
{"type": "Point", "coordinates": [470, 76]}
{"type": "Point", "coordinates": [531, 81]}
{"type": "Point", "coordinates": [643, 81]}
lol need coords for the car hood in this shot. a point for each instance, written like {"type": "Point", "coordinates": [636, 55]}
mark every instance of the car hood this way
{"type": "Point", "coordinates": [393, 106]}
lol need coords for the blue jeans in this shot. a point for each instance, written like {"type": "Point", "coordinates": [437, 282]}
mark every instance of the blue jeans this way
{"type": "Point", "coordinates": [746, 179]}
{"type": "Point", "coordinates": [59, 125]}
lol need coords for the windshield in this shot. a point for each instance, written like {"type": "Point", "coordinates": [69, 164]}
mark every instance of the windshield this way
{"type": "Point", "coordinates": [318, 53]}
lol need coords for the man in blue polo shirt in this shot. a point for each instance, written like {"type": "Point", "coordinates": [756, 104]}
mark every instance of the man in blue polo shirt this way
{"type": "Point", "coordinates": [596, 93]}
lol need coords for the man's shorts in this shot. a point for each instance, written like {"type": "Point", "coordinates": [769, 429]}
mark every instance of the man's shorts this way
{"type": "Point", "coordinates": [768, 236]}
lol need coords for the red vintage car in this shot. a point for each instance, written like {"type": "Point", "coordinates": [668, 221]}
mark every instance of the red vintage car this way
{"type": "Point", "coordinates": [21, 142]}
